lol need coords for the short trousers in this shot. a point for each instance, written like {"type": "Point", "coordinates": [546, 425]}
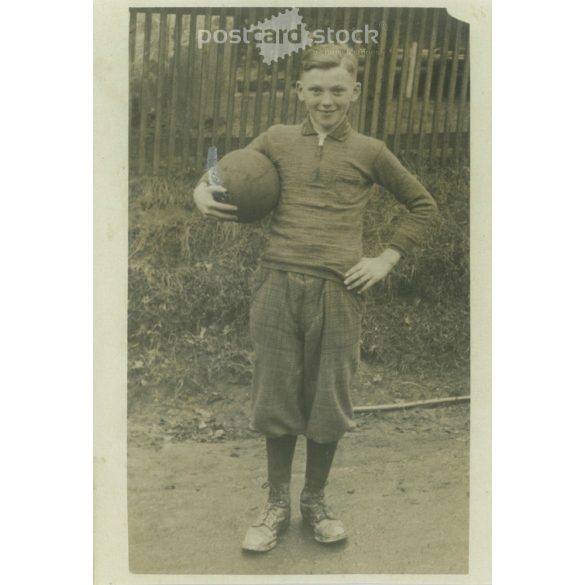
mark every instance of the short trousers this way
{"type": "Point", "coordinates": [306, 336]}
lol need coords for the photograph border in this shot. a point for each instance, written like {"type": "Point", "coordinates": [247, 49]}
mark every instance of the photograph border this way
{"type": "Point", "coordinates": [111, 82]}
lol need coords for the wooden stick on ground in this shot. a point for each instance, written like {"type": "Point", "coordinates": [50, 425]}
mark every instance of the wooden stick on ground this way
{"type": "Point", "coordinates": [405, 405]}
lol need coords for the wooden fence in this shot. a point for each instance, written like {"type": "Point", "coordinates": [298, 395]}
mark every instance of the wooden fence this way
{"type": "Point", "coordinates": [415, 84]}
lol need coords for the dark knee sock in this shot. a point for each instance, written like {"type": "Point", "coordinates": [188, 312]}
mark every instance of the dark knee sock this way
{"type": "Point", "coordinates": [319, 460]}
{"type": "Point", "coordinates": [280, 452]}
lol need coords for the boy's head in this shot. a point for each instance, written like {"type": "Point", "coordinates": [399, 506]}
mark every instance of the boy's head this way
{"type": "Point", "coordinates": [328, 56]}
{"type": "Point", "coordinates": [327, 84]}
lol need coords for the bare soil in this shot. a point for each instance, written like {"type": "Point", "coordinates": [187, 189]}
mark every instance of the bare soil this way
{"type": "Point", "coordinates": [400, 483]}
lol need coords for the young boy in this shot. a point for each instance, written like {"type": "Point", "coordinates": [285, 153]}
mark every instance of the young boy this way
{"type": "Point", "coordinates": [306, 310]}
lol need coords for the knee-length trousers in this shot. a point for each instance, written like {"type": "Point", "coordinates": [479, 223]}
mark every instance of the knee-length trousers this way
{"type": "Point", "coordinates": [306, 335]}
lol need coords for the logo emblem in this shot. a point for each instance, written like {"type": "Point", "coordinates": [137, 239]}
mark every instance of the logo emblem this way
{"type": "Point", "coordinates": [281, 35]}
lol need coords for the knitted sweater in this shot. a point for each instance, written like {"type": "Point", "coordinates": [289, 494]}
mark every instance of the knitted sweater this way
{"type": "Point", "coordinates": [317, 226]}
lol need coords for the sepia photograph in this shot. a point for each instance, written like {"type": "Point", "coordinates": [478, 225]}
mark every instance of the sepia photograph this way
{"type": "Point", "coordinates": [298, 348]}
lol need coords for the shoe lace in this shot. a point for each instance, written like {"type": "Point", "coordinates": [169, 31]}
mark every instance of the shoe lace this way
{"type": "Point", "coordinates": [315, 502]}
{"type": "Point", "coordinates": [272, 512]}
{"type": "Point", "coordinates": [271, 515]}
{"type": "Point", "coordinates": [276, 495]}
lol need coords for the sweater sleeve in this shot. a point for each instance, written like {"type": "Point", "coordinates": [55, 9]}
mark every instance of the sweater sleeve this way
{"type": "Point", "coordinates": [261, 143]}
{"type": "Point", "coordinates": [389, 173]}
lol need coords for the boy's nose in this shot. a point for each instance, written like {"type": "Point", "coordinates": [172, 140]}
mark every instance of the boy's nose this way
{"type": "Point", "coordinates": [326, 100]}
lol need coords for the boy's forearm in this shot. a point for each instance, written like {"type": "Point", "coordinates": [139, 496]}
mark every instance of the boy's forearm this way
{"type": "Point", "coordinates": [422, 208]}
{"type": "Point", "coordinates": [413, 227]}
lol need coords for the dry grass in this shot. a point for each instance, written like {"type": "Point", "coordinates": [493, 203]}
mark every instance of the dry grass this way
{"type": "Point", "coordinates": [189, 289]}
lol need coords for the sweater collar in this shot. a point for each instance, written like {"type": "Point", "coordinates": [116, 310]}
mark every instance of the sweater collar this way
{"type": "Point", "coordinates": [340, 133]}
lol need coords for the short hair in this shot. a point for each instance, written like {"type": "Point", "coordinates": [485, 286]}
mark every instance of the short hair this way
{"type": "Point", "coordinates": [329, 55]}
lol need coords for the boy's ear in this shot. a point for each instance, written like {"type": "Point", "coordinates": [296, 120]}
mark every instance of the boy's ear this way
{"type": "Point", "coordinates": [299, 87]}
{"type": "Point", "coordinates": [357, 90]}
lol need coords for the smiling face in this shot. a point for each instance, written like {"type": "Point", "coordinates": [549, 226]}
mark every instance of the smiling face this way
{"type": "Point", "coordinates": [327, 94]}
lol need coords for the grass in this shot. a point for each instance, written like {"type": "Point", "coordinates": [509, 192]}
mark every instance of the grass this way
{"type": "Point", "coordinates": [189, 290]}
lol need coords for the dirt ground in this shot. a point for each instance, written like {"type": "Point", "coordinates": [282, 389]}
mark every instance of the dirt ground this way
{"type": "Point", "coordinates": [400, 483]}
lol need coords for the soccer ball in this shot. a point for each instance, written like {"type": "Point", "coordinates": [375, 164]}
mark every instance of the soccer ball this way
{"type": "Point", "coordinates": [252, 183]}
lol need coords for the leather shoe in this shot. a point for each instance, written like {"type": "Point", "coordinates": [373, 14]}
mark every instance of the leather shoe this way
{"type": "Point", "coordinates": [316, 514]}
{"type": "Point", "coordinates": [273, 520]}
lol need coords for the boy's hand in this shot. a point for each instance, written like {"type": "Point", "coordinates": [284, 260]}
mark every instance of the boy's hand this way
{"type": "Point", "coordinates": [209, 207]}
{"type": "Point", "coordinates": [369, 271]}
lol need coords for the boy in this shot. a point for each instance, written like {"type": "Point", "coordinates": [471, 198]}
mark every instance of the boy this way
{"type": "Point", "coordinates": [306, 309]}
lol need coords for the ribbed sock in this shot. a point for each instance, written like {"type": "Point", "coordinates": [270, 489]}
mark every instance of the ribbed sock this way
{"type": "Point", "coordinates": [319, 460]}
{"type": "Point", "coordinates": [280, 452]}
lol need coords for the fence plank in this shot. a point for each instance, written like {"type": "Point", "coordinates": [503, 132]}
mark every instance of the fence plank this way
{"type": "Point", "coordinates": [366, 76]}
{"type": "Point", "coordinates": [259, 96]}
{"type": "Point", "coordinates": [161, 65]}
{"type": "Point", "coordinates": [196, 87]}
{"type": "Point", "coordinates": [229, 117]}
{"type": "Point", "coordinates": [132, 44]}
{"type": "Point", "coordinates": [132, 75]}
{"type": "Point", "coordinates": [451, 94]}
{"type": "Point", "coordinates": [175, 88]}
{"type": "Point", "coordinates": [349, 19]}
{"type": "Point", "coordinates": [462, 99]}
{"type": "Point", "coordinates": [219, 80]}
{"type": "Point", "coordinates": [387, 121]}
{"type": "Point", "coordinates": [273, 90]}
{"type": "Point", "coordinates": [201, 107]}
{"type": "Point", "coordinates": [428, 81]}
{"type": "Point", "coordinates": [286, 98]}
{"type": "Point", "coordinates": [144, 94]}
{"type": "Point", "coordinates": [182, 98]}
{"type": "Point", "coordinates": [261, 71]}
{"type": "Point", "coordinates": [403, 78]}
{"type": "Point", "coordinates": [346, 18]}
{"type": "Point", "coordinates": [320, 18]}
{"type": "Point", "coordinates": [440, 84]}
{"type": "Point", "coordinates": [374, 128]}
{"type": "Point", "coordinates": [416, 80]}
{"type": "Point", "coordinates": [299, 107]}
{"type": "Point", "coordinates": [246, 93]}
{"type": "Point", "coordinates": [189, 81]}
